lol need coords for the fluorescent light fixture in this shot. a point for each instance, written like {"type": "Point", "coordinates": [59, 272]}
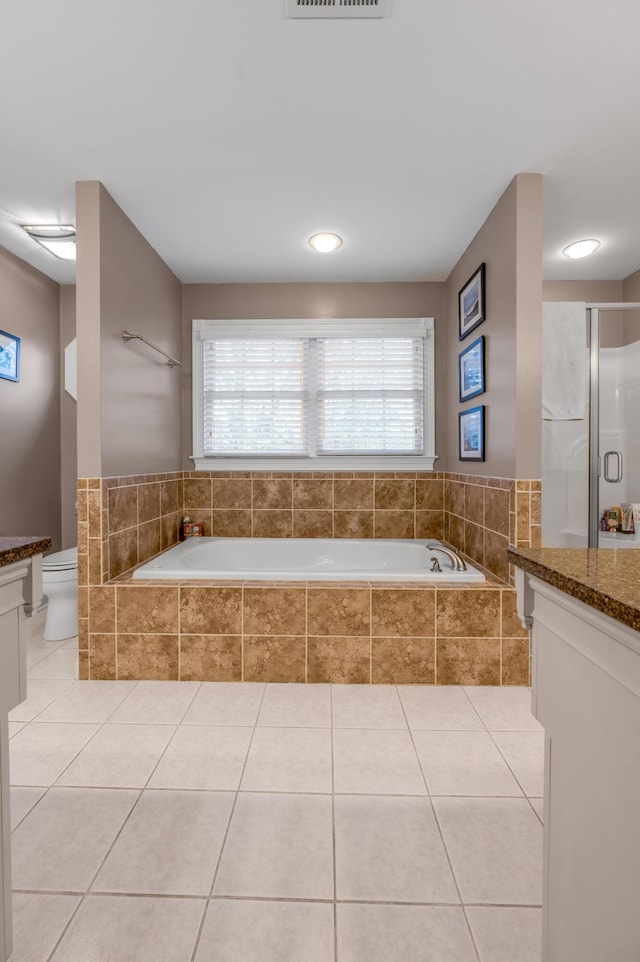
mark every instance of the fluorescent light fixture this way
{"type": "Point", "coordinates": [581, 248]}
{"type": "Point", "coordinates": [58, 239]}
{"type": "Point", "coordinates": [325, 243]}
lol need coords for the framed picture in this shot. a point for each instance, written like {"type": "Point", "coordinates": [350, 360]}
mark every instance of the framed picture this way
{"type": "Point", "coordinates": [9, 356]}
{"type": "Point", "coordinates": [471, 434]}
{"type": "Point", "coordinates": [471, 303]}
{"type": "Point", "coordinates": [471, 370]}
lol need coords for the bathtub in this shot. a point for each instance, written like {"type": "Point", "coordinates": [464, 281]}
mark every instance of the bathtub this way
{"type": "Point", "coordinates": [303, 559]}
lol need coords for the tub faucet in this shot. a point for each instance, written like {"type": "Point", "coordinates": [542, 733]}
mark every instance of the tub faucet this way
{"type": "Point", "coordinates": [456, 561]}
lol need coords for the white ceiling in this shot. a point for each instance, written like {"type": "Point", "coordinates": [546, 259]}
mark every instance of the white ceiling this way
{"type": "Point", "coordinates": [229, 134]}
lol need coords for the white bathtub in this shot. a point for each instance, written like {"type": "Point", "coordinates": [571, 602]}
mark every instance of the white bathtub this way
{"type": "Point", "coordinates": [303, 559]}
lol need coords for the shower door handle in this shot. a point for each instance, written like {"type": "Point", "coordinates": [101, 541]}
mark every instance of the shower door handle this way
{"type": "Point", "coordinates": [607, 472]}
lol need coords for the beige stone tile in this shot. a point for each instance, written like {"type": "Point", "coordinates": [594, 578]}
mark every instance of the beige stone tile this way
{"type": "Point", "coordinates": [149, 540]}
{"type": "Point", "coordinates": [516, 661]}
{"type": "Point", "coordinates": [394, 524]}
{"type": "Point", "coordinates": [474, 503]}
{"type": "Point", "coordinates": [42, 751]}
{"type": "Point", "coordinates": [429, 495]}
{"type": "Point", "coordinates": [338, 660]}
{"type": "Point", "coordinates": [403, 661]}
{"type": "Point", "coordinates": [170, 497]}
{"type": "Point", "coordinates": [169, 530]}
{"type": "Point", "coordinates": [123, 508]}
{"type": "Point", "coordinates": [118, 756]}
{"type": "Point", "coordinates": [38, 923]}
{"type": "Point", "coordinates": [375, 762]}
{"type": "Point", "coordinates": [511, 624]}
{"type": "Point", "coordinates": [463, 763]}
{"type": "Point", "coordinates": [123, 551]}
{"type": "Point", "coordinates": [426, 933]}
{"type": "Point", "coordinates": [233, 493]}
{"type": "Point", "coordinates": [203, 758]}
{"type": "Point", "coordinates": [496, 510]}
{"type": "Point", "coordinates": [210, 657]}
{"type": "Point", "coordinates": [439, 708]}
{"type": "Point", "coordinates": [472, 614]}
{"type": "Point", "coordinates": [102, 656]}
{"type": "Point", "coordinates": [269, 658]}
{"type": "Point", "coordinates": [272, 524]}
{"type": "Point", "coordinates": [296, 706]}
{"type": "Point", "coordinates": [225, 704]}
{"type": "Point", "coordinates": [353, 494]}
{"type": "Point", "coordinates": [352, 524]}
{"type": "Point", "coordinates": [504, 709]}
{"type": "Point", "coordinates": [430, 525]}
{"type": "Point", "coordinates": [94, 516]}
{"type": "Point", "coordinates": [147, 609]}
{"type": "Point", "coordinates": [82, 506]}
{"type": "Point", "coordinates": [231, 524]}
{"type": "Point", "coordinates": [312, 524]}
{"type": "Point", "coordinates": [272, 493]}
{"type": "Point", "coordinates": [95, 560]}
{"type": "Point", "coordinates": [468, 661]}
{"type": "Point", "coordinates": [474, 541]}
{"type": "Point", "coordinates": [210, 610]}
{"type": "Point", "coordinates": [148, 502]}
{"type": "Point", "coordinates": [102, 609]}
{"type": "Point", "coordinates": [524, 753]}
{"type": "Point", "coordinates": [83, 602]}
{"type": "Point", "coordinates": [402, 613]}
{"type": "Point", "coordinates": [289, 760]}
{"type": "Point", "coordinates": [274, 611]}
{"type": "Point", "coordinates": [497, 929]}
{"type": "Point", "coordinates": [454, 531]}
{"type": "Point", "coordinates": [395, 495]}
{"type": "Point", "coordinates": [367, 706]}
{"type": "Point", "coordinates": [149, 656]}
{"type": "Point", "coordinates": [495, 554]}
{"type": "Point", "coordinates": [338, 611]}
{"type": "Point", "coordinates": [197, 494]}
{"type": "Point", "coordinates": [456, 498]}
{"type": "Point", "coordinates": [312, 495]}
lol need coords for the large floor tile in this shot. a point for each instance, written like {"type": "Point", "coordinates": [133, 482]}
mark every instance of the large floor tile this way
{"type": "Point", "coordinates": [60, 844]}
{"type": "Point", "coordinates": [15, 727]}
{"type": "Point", "coordinates": [38, 923]}
{"type": "Point", "coordinates": [156, 703]}
{"type": "Point", "coordinates": [120, 929]}
{"type": "Point", "coordinates": [524, 752]}
{"type": "Point", "coordinates": [225, 703]}
{"type": "Point", "coordinates": [289, 760]}
{"type": "Point", "coordinates": [296, 706]}
{"type": "Point", "coordinates": [495, 847]}
{"type": "Point", "coordinates": [439, 708]}
{"type": "Point", "coordinates": [61, 663]}
{"type": "Point", "coordinates": [376, 763]}
{"type": "Point", "coordinates": [403, 933]}
{"type": "Point", "coordinates": [278, 846]}
{"type": "Point", "coordinates": [503, 709]}
{"type": "Point", "coordinates": [40, 693]}
{"type": "Point", "coordinates": [367, 706]}
{"type": "Point", "coordinates": [169, 846]}
{"type": "Point", "coordinates": [538, 806]}
{"type": "Point", "coordinates": [41, 752]}
{"type": "Point", "coordinates": [390, 850]}
{"type": "Point", "coordinates": [88, 701]}
{"type": "Point", "coordinates": [119, 756]}
{"type": "Point", "coordinates": [463, 763]}
{"type": "Point", "coordinates": [505, 934]}
{"type": "Point", "coordinates": [22, 801]}
{"type": "Point", "coordinates": [204, 757]}
{"type": "Point", "coordinates": [247, 931]}
{"type": "Point", "coordinates": [34, 655]}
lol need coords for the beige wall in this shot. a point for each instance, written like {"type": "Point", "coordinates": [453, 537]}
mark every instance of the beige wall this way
{"type": "Point", "coordinates": [510, 244]}
{"type": "Point", "coordinates": [68, 424]}
{"type": "Point", "coordinates": [123, 284]}
{"type": "Point", "coordinates": [631, 320]}
{"type": "Point", "coordinates": [241, 301]}
{"type": "Point", "coordinates": [30, 407]}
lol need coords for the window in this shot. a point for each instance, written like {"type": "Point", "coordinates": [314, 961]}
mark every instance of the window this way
{"type": "Point", "coordinates": [306, 395]}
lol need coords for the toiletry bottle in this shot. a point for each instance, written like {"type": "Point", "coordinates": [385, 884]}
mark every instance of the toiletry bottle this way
{"type": "Point", "coordinates": [185, 528]}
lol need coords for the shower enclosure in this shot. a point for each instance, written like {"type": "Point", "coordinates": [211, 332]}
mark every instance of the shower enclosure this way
{"type": "Point", "coordinates": [593, 465]}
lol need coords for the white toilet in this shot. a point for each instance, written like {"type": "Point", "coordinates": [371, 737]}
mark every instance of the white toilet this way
{"type": "Point", "coordinates": [60, 585]}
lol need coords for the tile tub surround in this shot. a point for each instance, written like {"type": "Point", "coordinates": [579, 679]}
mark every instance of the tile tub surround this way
{"type": "Point", "coordinates": [305, 632]}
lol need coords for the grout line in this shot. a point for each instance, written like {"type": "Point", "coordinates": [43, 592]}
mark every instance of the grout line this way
{"type": "Point", "coordinates": [333, 835]}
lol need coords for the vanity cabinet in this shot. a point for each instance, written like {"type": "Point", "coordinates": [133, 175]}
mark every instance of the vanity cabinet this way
{"type": "Point", "coordinates": [20, 585]}
{"type": "Point", "coordinates": [586, 695]}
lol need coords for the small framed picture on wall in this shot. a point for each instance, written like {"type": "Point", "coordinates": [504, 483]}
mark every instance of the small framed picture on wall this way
{"type": "Point", "coordinates": [471, 434]}
{"type": "Point", "coordinates": [9, 356]}
{"type": "Point", "coordinates": [471, 311]}
{"type": "Point", "coordinates": [471, 378]}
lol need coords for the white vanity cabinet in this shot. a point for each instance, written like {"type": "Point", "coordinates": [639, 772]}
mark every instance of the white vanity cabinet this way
{"type": "Point", "coordinates": [586, 695]}
{"type": "Point", "coordinates": [20, 582]}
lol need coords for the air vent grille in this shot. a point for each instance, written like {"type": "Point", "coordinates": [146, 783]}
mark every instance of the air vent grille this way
{"type": "Point", "coordinates": [337, 9]}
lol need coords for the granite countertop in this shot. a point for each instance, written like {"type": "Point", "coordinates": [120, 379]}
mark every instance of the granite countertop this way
{"type": "Point", "coordinates": [17, 549]}
{"type": "Point", "coordinates": [603, 578]}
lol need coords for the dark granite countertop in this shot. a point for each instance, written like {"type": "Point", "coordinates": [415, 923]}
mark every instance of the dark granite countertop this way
{"type": "Point", "coordinates": [17, 549]}
{"type": "Point", "coordinates": [603, 578]}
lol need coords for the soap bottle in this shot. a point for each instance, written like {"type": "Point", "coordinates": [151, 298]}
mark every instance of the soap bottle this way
{"type": "Point", "coordinates": [185, 528]}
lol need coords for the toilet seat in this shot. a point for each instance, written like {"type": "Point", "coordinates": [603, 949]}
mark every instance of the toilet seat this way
{"type": "Point", "coordinates": [66, 560]}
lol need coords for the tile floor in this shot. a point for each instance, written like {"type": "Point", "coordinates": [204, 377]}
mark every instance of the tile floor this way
{"type": "Point", "coordinates": [189, 822]}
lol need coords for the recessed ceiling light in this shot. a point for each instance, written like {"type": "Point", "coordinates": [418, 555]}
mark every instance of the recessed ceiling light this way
{"type": "Point", "coordinates": [58, 239]}
{"type": "Point", "coordinates": [581, 248]}
{"type": "Point", "coordinates": [325, 243]}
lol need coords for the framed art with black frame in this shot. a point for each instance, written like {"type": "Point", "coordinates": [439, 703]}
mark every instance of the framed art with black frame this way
{"type": "Point", "coordinates": [9, 356]}
{"type": "Point", "coordinates": [471, 434]}
{"type": "Point", "coordinates": [471, 298]}
{"type": "Point", "coordinates": [471, 376]}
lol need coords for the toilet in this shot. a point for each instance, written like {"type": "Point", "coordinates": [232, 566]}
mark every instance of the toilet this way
{"type": "Point", "coordinates": [60, 585]}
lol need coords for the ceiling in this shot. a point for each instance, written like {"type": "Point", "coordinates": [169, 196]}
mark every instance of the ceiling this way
{"type": "Point", "coordinates": [229, 134]}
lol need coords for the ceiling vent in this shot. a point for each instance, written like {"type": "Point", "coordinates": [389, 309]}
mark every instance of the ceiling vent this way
{"type": "Point", "coordinates": [337, 9]}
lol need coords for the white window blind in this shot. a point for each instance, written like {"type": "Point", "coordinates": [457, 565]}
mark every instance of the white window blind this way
{"type": "Point", "coordinates": [370, 395]}
{"type": "Point", "coordinates": [256, 396]}
{"type": "Point", "coordinates": [335, 392]}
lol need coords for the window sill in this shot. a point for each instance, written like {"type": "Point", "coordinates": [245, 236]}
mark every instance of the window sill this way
{"type": "Point", "coordinates": [424, 463]}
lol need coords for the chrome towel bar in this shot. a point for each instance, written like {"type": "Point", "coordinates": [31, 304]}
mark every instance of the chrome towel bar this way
{"type": "Point", "coordinates": [171, 361]}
